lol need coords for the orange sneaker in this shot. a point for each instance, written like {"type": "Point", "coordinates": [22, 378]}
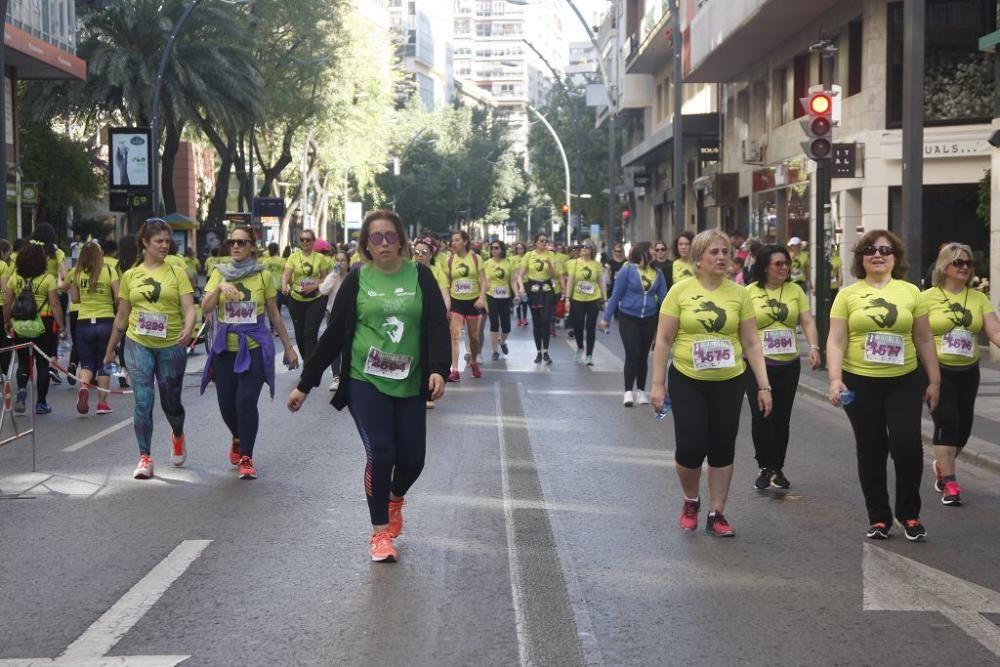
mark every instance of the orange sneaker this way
{"type": "Point", "coordinates": [396, 517]}
{"type": "Point", "coordinates": [178, 450]}
{"type": "Point", "coordinates": [381, 548]}
{"type": "Point", "coordinates": [247, 471]}
{"type": "Point", "coordinates": [234, 452]}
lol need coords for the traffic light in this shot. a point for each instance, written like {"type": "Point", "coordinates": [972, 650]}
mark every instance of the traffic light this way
{"type": "Point", "coordinates": [565, 214]}
{"type": "Point", "coordinates": [818, 124]}
{"type": "Point", "coordinates": [626, 215]}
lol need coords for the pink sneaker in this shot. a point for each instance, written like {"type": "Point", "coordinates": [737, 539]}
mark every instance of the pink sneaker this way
{"type": "Point", "coordinates": [718, 526]}
{"type": "Point", "coordinates": [453, 376]}
{"type": "Point", "coordinates": [689, 517]}
{"type": "Point", "coordinates": [952, 495]}
{"type": "Point", "coordinates": [83, 401]}
{"type": "Point", "coordinates": [476, 373]}
{"type": "Point", "coordinates": [103, 408]}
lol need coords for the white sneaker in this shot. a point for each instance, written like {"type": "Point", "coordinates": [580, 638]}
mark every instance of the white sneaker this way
{"type": "Point", "coordinates": [589, 360]}
{"type": "Point", "coordinates": [641, 398]}
{"type": "Point", "coordinates": [628, 400]}
{"type": "Point", "coordinates": [145, 468]}
{"type": "Point", "coordinates": [579, 356]}
{"type": "Point", "coordinates": [335, 385]}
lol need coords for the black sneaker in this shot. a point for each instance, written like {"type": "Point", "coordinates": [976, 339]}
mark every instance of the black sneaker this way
{"type": "Point", "coordinates": [546, 357]}
{"type": "Point", "coordinates": [915, 531]}
{"type": "Point", "coordinates": [123, 382]}
{"type": "Point", "coordinates": [504, 348]}
{"type": "Point", "coordinates": [538, 358]}
{"type": "Point", "coordinates": [54, 376]}
{"type": "Point", "coordinates": [763, 480]}
{"type": "Point", "coordinates": [780, 481]}
{"type": "Point", "coordinates": [69, 376]}
{"type": "Point", "coordinates": [496, 356]}
{"type": "Point", "coordinates": [878, 531]}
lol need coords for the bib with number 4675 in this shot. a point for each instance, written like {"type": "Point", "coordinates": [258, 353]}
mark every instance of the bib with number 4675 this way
{"type": "Point", "coordinates": [713, 353]}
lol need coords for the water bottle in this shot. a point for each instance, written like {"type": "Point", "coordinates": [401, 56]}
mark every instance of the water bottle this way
{"type": "Point", "coordinates": [846, 397]}
{"type": "Point", "coordinates": [114, 370]}
{"type": "Point", "coordinates": [607, 329]}
{"type": "Point", "coordinates": [664, 411]}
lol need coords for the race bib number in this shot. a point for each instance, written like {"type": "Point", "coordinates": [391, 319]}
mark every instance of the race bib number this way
{"type": "Point", "coordinates": [709, 354]}
{"type": "Point", "coordinates": [585, 287]}
{"type": "Point", "coordinates": [239, 312]}
{"type": "Point", "coordinates": [152, 324]}
{"type": "Point", "coordinates": [779, 341]}
{"type": "Point", "coordinates": [306, 283]}
{"type": "Point", "coordinates": [959, 342]}
{"type": "Point", "coordinates": [501, 292]}
{"type": "Point", "coordinates": [885, 348]}
{"type": "Point", "coordinates": [536, 287]}
{"type": "Point", "coordinates": [389, 366]}
{"type": "Point", "coordinates": [463, 286]}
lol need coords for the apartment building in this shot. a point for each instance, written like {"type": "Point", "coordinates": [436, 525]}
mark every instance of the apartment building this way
{"type": "Point", "coordinates": [759, 52]}
{"type": "Point", "coordinates": [638, 56]}
{"type": "Point", "coordinates": [581, 67]}
{"type": "Point", "coordinates": [423, 28]}
{"type": "Point", "coordinates": [491, 53]}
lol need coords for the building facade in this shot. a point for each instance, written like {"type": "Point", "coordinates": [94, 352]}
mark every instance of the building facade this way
{"type": "Point", "coordinates": [423, 28]}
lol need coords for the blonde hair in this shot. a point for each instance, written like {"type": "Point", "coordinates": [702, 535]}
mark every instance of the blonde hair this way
{"type": "Point", "coordinates": [701, 242]}
{"type": "Point", "coordinates": [949, 253]}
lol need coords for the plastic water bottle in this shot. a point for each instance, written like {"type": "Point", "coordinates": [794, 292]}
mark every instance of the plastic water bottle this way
{"type": "Point", "coordinates": [114, 370]}
{"type": "Point", "coordinates": [607, 329]}
{"type": "Point", "coordinates": [664, 411]}
{"type": "Point", "coordinates": [846, 397]}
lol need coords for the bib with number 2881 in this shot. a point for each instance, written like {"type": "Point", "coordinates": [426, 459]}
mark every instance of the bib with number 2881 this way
{"type": "Point", "coordinates": [779, 341]}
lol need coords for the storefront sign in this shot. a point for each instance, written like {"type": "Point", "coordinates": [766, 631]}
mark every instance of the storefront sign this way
{"type": "Point", "coordinates": [942, 149]}
{"type": "Point", "coordinates": [844, 160]}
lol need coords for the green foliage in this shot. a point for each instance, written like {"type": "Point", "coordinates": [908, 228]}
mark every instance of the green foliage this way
{"type": "Point", "coordinates": [983, 197]}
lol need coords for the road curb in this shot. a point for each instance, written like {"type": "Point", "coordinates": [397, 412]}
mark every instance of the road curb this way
{"type": "Point", "coordinates": [970, 453]}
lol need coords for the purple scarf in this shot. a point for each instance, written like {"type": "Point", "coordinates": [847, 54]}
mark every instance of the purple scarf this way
{"type": "Point", "coordinates": [259, 333]}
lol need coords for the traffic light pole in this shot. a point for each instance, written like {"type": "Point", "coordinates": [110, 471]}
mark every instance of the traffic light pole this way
{"type": "Point", "coordinates": [823, 292]}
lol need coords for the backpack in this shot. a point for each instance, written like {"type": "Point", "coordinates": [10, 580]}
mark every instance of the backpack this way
{"type": "Point", "coordinates": [26, 322]}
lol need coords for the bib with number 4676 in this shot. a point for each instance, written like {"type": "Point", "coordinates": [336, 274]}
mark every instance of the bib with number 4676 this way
{"type": "Point", "coordinates": [959, 342]}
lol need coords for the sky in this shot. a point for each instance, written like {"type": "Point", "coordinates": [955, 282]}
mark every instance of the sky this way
{"type": "Point", "coordinates": [574, 31]}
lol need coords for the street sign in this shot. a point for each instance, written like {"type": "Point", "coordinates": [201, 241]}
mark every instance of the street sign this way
{"type": "Point", "coordinates": [845, 160]}
{"type": "Point", "coordinates": [269, 207]}
{"type": "Point", "coordinates": [354, 215]}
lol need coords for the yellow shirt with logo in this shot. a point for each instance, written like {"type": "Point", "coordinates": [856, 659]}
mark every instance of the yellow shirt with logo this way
{"type": "Point", "coordinates": [777, 314]}
{"type": "Point", "coordinates": [498, 276]}
{"type": "Point", "coordinates": [682, 270]}
{"type": "Point", "coordinates": [585, 275]}
{"type": "Point", "coordinates": [879, 327]}
{"type": "Point", "coordinates": [956, 320]}
{"type": "Point", "coordinates": [113, 263]}
{"type": "Point", "coordinates": [463, 276]}
{"type": "Point", "coordinates": [255, 289]}
{"type": "Point", "coordinates": [708, 346]}
{"type": "Point", "coordinates": [95, 304]}
{"type": "Point", "coordinates": [536, 264]}
{"type": "Point", "coordinates": [40, 288]}
{"type": "Point", "coordinates": [153, 296]}
{"type": "Point", "coordinates": [306, 270]}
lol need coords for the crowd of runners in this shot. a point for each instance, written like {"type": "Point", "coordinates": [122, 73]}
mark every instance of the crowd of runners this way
{"type": "Point", "coordinates": [726, 319]}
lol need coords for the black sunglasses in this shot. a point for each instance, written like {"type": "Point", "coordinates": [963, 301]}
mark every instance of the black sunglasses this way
{"type": "Point", "coordinates": [239, 242]}
{"type": "Point", "coordinates": [962, 263]}
{"type": "Point", "coordinates": [884, 250]}
{"type": "Point", "coordinates": [306, 239]}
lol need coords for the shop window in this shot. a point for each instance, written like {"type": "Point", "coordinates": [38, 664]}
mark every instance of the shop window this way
{"type": "Point", "coordinates": [780, 111]}
{"type": "Point", "coordinates": [800, 84]}
{"type": "Point", "coordinates": [958, 86]}
{"type": "Point", "coordinates": [855, 49]}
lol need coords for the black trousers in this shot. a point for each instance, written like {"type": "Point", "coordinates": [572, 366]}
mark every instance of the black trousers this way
{"type": "Point", "coordinates": [542, 306]}
{"type": "Point", "coordinates": [706, 419]}
{"type": "Point", "coordinates": [885, 417]}
{"type": "Point", "coordinates": [499, 312]}
{"type": "Point", "coordinates": [770, 434]}
{"type": "Point", "coordinates": [638, 334]}
{"type": "Point", "coordinates": [957, 408]}
{"type": "Point", "coordinates": [306, 318]}
{"type": "Point", "coordinates": [583, 319]}
{"type": "Point", "coordinates": [49, 343]}
{"type": "Point", "coordinates": [74, 355]}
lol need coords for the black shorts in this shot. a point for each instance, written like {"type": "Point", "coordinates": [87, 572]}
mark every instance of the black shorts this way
{"type": "Point", "coordinates": [466, 308]}
{"type": "Point", "coordinates": [957, 407]}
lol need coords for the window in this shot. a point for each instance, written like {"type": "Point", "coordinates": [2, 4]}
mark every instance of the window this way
{"type": "Point", "coordinates": [855, 48]}
{"type": "Point", "coordinates": [800, 84]}
{"type": "Point", "coordinates": [779, 98]}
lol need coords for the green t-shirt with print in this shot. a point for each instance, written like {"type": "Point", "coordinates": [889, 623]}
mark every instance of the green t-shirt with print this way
{"type": "Point", "coordinates": [498, 276]}
{"type": "Point", "coordinates": [956, 320]}
{"type": "Point", "coordinates": [681, 270]}
{"type": "Point", "coordinates": [307, 270]}
{"type": "Point", "coordinates": [777, 314]}
{"type": "Point", "coordinates": [586, 278]}
{"type": "Point", "coordinates": [254, 290]}
{"type": "Point", "coordinates": [156, 319]}
{"type": "Point", "coordinates": [463, 275]}
{"type": "Point", "coordinates": [99, 303]}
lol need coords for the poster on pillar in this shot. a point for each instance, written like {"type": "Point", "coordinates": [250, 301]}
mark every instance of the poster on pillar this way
{"type": "Point", "coordinates": [129, 158]}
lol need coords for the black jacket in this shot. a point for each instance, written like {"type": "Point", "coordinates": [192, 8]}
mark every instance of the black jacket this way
{"type": "Point", "coordinates": [435, 340]}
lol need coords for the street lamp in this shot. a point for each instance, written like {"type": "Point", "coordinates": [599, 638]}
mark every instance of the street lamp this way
{"type": "Point", "coordinates": [3, 120]}
{"type": "Point", "coordinates": [155, 130]}
{"type": "Point", "coordinates": [562, 153]}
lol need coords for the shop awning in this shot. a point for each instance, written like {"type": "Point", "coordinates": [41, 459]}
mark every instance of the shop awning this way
{"type": "Point", "coordinates": [179, 222]}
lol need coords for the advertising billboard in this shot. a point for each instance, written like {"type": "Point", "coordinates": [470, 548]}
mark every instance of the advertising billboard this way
{"type": "Point", "coordinates": [130, 161]}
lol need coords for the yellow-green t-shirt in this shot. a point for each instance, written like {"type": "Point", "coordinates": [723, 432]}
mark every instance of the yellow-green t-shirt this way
{"type": "Point", "coordinates": [40, 288]}
{"type": "Point", "coordinates": [441, 261]}
{"type": "Point", "coordinates": [498, 275]}
{"type": "Point", "coordinates": [536, 264]}
{"type": "Point", "coordinates": [879, 327]}
{"type": "Point", "coordinates": [463, 276]}
{"type": "Point", "coordinates": [777, 314]}
{"type": "Point", "coordinates": [192, 264]}
{"type": "Point", "coordinates": [682, 270]}
{"type": "Point", "coordinates": [210, 263]}
{"type": "Point", "coordinates": [439, 276]}
{"type": "Point", "coordinates": [586, 278]}
{"type": "Point", "coordinates": [799, 268]}
{"type": "Point", "coordinates": [156, 319]}
{"type": "Point", "coordinates": [956, 320]}
{"type": "Point", "coordinates": [99, 303]}
{"type": "Point", "coordinates": [53, 264]}
{"type": "Point", "coordinates": [276, 265]}
{"type": "Point", "coordinates": [835, 263]}
{"type": "Point", "coordinates": [561, 260]}
{"type": "Point", "coordinates": [307, 270]}
{"type": "Point", "coordinates": [255, 290]}
{"type": "Point", "coordinates": [113, 263]}
{"type": "Point", "coordinates": [708, 346]}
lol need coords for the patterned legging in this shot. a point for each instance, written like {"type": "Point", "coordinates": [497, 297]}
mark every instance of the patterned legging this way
{"type": "Point", "coordinates": [167, 365]}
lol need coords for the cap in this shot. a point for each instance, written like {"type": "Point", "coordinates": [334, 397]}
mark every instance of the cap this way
{"type": "Point", "coordinates": [795, 240]}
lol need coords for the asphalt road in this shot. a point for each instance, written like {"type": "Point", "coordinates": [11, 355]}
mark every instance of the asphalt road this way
{"type": "Point", "coordinates": [543, 532]}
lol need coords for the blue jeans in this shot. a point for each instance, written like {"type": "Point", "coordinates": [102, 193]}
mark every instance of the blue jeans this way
{"type": "Point", "coordinates": [90, 342]}
{"type": "Point", "coordinates": [167, 366]}
{"type": "Point", "coordinates": [238, 394]}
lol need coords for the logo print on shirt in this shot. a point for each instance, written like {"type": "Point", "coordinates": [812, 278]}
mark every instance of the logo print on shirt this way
{"type": "Point", "coordinates": [245, 294]}
{"type": "Point", "coordinates": [307, 268]}
{"type": "Point", "coordinates": [887, 320]}
{"type": "Point", "coordinates": [463, 270]}
{"type": "Point", "coordinates": [539, 265]}
{"type": "Point", "coordinates": [588, 273]}
{"type": "Point", "coordinates": [499, 273]}
{"type": "Point", "coordinates": [712, 324]}
{"type": "Point", "coordinates": [646, 282]}
{"type": "Point", "coordinates": [777, 311]}
{"type": "Point", "coordinates": [154, 294]}
{"type": "Point", "coordinates": [957, 314]}
{"type": "Point", "coordinates": [394, 328]}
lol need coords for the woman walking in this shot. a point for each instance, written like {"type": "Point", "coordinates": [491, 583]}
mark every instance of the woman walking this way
{"type": "Point", "coordinates": [779, 306]}
{"type": "Point", "coordinates": [467, 285]}
{"type": "Point", "coordinates": [241, 359]}
{"type": "Point", "coordinates": [585, 295]}
{"type": "Point", "coordinates": [709, 324]}
{"type": "Point", "coordinates": [93, 284]}
{"type": "Point", "coordinates": [499, 271]}
{"type": "Point", "coordinates": [682, 267]}
{"type": "Point", "coordinates": [541, 271]}
{"type": "Point", "coordinates": [390, 328]}
{"type": "Point", "coordinates": [639, 291]}
{"type": "Point", "coordinates": [156, 315]}
{"type": "Point", "coordinates": [878, 330]}
{"type": "Point", "coordinates": [957, 315]}
{"type": "Point", "coordinates": [304, 271]}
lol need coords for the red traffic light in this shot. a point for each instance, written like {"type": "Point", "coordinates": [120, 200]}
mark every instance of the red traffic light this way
{"type": "Point", "coordinates": [626, 215]}
{"type": "Point", "coordinates": [565, 209]}
{"type": "Point", "coordinates": [820, 104]}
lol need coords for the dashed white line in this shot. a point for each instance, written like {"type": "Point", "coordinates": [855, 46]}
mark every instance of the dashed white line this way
{"type": "Point", "coordinates": [97, 436]}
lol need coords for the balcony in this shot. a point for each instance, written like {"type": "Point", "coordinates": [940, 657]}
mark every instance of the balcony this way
{"type": "Point", "coordinates": [649, 50]}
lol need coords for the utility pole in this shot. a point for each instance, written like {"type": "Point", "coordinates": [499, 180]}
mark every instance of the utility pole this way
{"type": "Point", "coordinates": [912, 223]}
{"type": "Point", "coordinates": [677, 38]}
{"type": "Point", "coordinates": [3, 123]}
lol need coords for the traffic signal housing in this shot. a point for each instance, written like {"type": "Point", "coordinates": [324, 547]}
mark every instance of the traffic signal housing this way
{"type": "Point", "coordinates": [818, 124]}
{"type": "Point", "coordinates": [626, 215]}
{"type": "Point", "coordinates": [565, 214]}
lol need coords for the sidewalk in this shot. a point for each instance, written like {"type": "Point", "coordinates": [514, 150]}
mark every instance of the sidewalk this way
{"type": "Point", "coordinates": [982, 450]}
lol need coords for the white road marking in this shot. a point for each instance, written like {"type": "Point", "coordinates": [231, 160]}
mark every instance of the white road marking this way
{"type": "Point", "coordinates": [896, 583]}
{"type": "Point", "coordinates": [604, 358]}
{"type": "Point", "coordinates": [513, 559]}
{"type": "Point", "coordinates": [97, 436]}
{"type": "Point", "coordinates": [574, 392]}
{"type": "Point", "coordinates": [108, 661]}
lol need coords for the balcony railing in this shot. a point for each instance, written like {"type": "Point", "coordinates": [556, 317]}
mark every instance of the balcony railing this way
{"type": "Point", "coordinates": [656, 13]}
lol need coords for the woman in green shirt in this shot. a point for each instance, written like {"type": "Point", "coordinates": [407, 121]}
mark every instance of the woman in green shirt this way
{"type": "Point", "coordinates": [585, 297]}
{"type": "Point", "coordinates": [390, 327]}
{"type": "Point", "coordinates": [499, 272]}
{"type": "Point", "coordinates": [957, 315]}
{"type": "Point", "coordinates": [93, 285]}
{"type": "Point", "coordinates": [878, 330]}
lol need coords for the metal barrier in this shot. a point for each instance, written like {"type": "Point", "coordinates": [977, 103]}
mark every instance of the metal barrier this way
{"type": "Point", "coordinates": [9, 380]}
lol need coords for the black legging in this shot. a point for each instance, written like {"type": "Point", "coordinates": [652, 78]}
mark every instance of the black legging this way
{"type": "Point", "coordinates": [583, 314]}
{"type": "Point", "coordinates": [239, 394]}
{"type": "Point", "coordinates": [637, 335]}
{"type": "Point", "coordinates": [74, 355]}
{"type": "Point", "coordinates": [542, 303]}
{"type": "Point", "coordinates": [522, 310]}
{"type": "Point", "coordinates": [306, 318]}
{"type": "Point", "coordinates": [770, 434]}
{"type": "Point", "coordinates": [48, 343]}
{"type": "Point", "coordinates": [499, 312]}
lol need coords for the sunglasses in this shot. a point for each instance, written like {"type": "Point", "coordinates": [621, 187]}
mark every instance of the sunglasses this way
{"type": "Point", "coordinates": [781, 264]}
{"type": "Point", "coordinates": [421, 253]}
{"type": "Point", "coordinates": [378, 238]}
{"type": "Point", "coordinates": [884, 250]}
{"type": "Point", "coordinates": [542, 240]}
{"type": "Point", "coordinates": [962, 263]}
{"type": "Point", "coordinates": [495, 247]}
{"type": "Point", "coordinates": [306, 239]}
{"type": "Point", "coordinates": [660, 249]}
{"type": "Point", "coordinates": [239, 243]}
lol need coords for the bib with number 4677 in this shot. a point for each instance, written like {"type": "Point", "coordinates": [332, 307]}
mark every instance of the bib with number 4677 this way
{"type": "Point", "coordinates": [713, 353]}
{"type": "Point", "coordinates": [885, 348]}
